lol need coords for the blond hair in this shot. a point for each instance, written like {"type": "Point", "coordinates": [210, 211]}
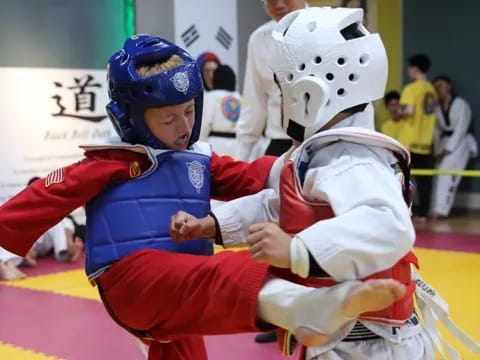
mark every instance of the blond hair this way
{"type": "Point", "coordinates": [172, 62]}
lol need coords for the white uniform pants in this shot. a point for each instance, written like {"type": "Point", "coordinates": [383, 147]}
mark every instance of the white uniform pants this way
{"type": "Point", "coordinates": [445, 186]}
{"type": "Point", "coordinates": [418, 347]}
{"type": "Point", "coordinates": [54, 239]}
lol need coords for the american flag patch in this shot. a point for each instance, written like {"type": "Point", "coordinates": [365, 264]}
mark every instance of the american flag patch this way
{"type": "Point", "coordinates": [55, 177]}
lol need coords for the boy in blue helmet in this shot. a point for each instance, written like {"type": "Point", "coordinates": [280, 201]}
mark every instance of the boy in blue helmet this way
{"type": "Point", "coordinates": [159, 290]}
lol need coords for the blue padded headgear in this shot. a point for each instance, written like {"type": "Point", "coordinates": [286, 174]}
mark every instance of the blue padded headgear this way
{"type": "Point", "coordinates": [130, 94]}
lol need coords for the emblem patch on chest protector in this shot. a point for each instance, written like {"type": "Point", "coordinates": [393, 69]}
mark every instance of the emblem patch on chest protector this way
{"type": "Point", "coordinates": [180, 82]}
{"type": "Point", "coordinates": [195, 174]}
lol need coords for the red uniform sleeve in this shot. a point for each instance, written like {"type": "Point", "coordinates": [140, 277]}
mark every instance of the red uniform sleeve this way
{"type": "Point", "coordinates": [26, 216]}
{"type": "Point", "coordinates": [232, 179]}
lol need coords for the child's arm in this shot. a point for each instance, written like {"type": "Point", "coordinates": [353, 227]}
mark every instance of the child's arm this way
{"type": "Point", "coordinates": [372, 228]}
{"type": "Point", "coordinates": [228, 223]}
{"type": "Point", "coordinates": [232, 179]}
{"type": "Point", "coordinates": [45, 202]}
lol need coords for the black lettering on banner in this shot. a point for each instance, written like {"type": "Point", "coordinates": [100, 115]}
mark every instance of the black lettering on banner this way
{"type": "Point", "coordinates": [85, 99]}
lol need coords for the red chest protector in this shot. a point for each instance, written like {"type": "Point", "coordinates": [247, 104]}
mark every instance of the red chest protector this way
{"type": "Point", "coordinates": [296, 214]}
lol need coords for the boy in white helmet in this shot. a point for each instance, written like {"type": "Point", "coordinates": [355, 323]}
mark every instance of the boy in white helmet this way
{"type": "Point", "coordinates": [341, 201]}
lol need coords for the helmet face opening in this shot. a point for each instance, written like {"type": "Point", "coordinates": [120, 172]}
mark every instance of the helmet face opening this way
{"type": "Point", "coordinates": [131, 94]}
{"type": "Point", "coordinates": [325, 62]}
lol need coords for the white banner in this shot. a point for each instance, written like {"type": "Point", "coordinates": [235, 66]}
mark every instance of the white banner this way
{"type": "Point", "coordinates": [45, 114]}
{"type": "Point", "coordinates": [198, 32]}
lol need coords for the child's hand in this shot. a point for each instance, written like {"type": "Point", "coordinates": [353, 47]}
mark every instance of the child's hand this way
{"type": "Point", "coordinates": [270, 244]}
{"type": "Point", "coordinates": [185, 227]}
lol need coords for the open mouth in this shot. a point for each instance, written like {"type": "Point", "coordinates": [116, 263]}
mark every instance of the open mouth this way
{"type": "Point", "coordinates": [182, 140]}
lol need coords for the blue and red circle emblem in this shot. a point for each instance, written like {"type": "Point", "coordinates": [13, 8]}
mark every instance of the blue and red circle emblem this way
{"type": "Point", "coordinates": [231, 108]}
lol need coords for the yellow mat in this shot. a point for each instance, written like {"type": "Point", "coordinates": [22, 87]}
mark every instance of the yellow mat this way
{"type": "Point", "coordinates": [455, 275]}
{"type": "Point", "coordinates": [10, 352]}
{"type": "Point", "coordinates": [70, 283]}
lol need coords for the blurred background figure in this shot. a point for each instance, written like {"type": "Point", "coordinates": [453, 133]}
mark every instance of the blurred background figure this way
{"type": "Point", "coordinates": [418, 102]}
{"type": "Point", "coordinates": [392, 126]}
{"type": "Point", "coordinates": [9, 263]}
{"type": "Point", "coordinates": [221, 110]}
{"type": "Point", "coordinates": [259, 129]}
{"type": "Point", "coordinates": [207, 63]}
{"type": "Point", "coordinates": [454, 144]}
{"type": "Point", "coordinates": [62, 240]}
{"type": "Point", "coordinates": [357, 4]}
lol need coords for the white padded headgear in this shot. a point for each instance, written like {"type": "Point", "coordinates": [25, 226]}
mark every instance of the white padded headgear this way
{"type": "Point", "coordinates": [325, 61]}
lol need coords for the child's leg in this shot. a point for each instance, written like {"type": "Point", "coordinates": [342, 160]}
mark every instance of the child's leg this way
{"type": "Point", "coordinates": [175, 295]}
{"type": "Point", "coordinates": [311, 314]}
{"type": "Point", "coordinates": [183, 349]}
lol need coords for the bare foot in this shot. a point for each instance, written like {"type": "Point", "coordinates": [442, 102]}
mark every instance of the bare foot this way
{"type": "Point", "coordinates": [372, 295]}
{"type": "Point", "coordinates": [310, 338]}
{"type": "Point", "coordinates": [6, 273]}
{"type": "Point", "coordinates": [14, 269]}
{"type": "Point", "coordinates": [29, 259]}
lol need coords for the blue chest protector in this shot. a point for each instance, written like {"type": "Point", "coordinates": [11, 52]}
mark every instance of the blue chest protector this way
{"type": "Point", "coordinates": [135, 215]}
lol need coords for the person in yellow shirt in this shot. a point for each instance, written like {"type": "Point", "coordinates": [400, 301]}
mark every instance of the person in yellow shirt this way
{"type": "Point", "coordinates": [392, 126]}
{"type": "Point", "coordinates": [418, 103]}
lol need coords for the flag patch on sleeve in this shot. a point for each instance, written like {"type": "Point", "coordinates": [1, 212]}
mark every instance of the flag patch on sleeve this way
{"type": "Point", "coordinates": [55, 177]}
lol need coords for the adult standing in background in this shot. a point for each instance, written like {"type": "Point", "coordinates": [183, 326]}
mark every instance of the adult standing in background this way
{"type": "Point", "coordinates": [261, 96]}
{"type": "Point", "coordinates": [453, 146]}
{"type": "Point", "coordinates": [221, 110]}
{"type": "Point", "coordinates": [418, 102]}
{"type": "Point", "coordinates": [260, 118]}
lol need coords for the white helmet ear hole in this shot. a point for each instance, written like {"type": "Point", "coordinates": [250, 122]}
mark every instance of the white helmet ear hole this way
{"type": "Point", "coordinates": [330, 76]}
{"type": "Point", "coordinates": [306, 99]}
{"type": "Point", "coordinates": [341, 92]}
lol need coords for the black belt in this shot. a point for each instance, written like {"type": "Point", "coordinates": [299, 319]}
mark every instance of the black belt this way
{"type": "Point", "coordinates": [446, 133]}
{"type": "Point", "coordinates": [281, 141]}
{"type": "Point", "coordinates": [223, 134]}
{"type": "Point", "coordinates": [360, 333]}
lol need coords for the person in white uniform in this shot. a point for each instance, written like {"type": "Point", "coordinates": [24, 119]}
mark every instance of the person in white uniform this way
{"type": "Point", "coordinates": [259, 130]}
{"type": "Point", "coordinates": [221, 110]}
{"type": "Point", "coordinates": [454, 145]}
{"type": "Point", "coordinates": [340, 197]}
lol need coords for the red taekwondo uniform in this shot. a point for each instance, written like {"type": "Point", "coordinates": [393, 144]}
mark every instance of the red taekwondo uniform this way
{"type": "Point", "coordinates": [151, 291]}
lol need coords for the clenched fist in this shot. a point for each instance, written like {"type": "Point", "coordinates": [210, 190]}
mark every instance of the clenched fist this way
{"type": "Point", "coordinates": [186, 227]}
{"type": "Point", "coordinates": [269, 244]}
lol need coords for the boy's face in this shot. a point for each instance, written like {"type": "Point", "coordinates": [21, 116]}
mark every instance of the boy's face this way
{"type": "Point", "coordinates": [172, 124]}
{"type": "Point", "coordinates": [412, 72]}
{"type": "Point", "coordinates": [393, 107]}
